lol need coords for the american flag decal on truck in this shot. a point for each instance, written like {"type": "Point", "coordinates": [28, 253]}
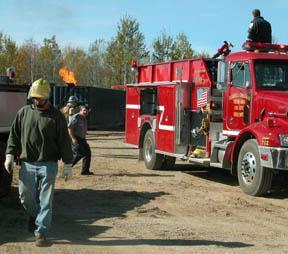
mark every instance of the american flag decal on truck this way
{"type": "Point", "coordinates": [202, 94]}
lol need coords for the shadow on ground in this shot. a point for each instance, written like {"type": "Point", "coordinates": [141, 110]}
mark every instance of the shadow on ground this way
{"type": "Point", "coordinates": [105, 134]}
{"type": "Point", "coordinates": [74, 213]}
{"type": "Point", "coordinates": [208, 173]}
{"type": "Point", "coordinates": [104, 139]}
{"type": "Point", "coordinates": [112, 148]}
{"type": "Point", "coordinates": [166, 242]}
{"type": "Point", "coordinates": [279, 189]}
{"type": "Point", "coordinates": [119, 156]}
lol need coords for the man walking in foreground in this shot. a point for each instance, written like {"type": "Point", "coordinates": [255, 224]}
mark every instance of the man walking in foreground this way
{"type": "Point", "coordinates": [259, 28]}
{"type": "Point", "coordinates": [77, 129]}
{"type": "Point", "coordinates": [39, 135]}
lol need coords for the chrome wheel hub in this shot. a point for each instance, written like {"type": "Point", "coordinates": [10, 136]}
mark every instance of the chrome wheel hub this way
{"type": "Point", "coordinates": [148, 150]}
{"type": "Point", "coordinates": [248, 168]}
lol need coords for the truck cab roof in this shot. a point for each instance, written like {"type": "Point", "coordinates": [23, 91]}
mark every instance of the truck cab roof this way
{"type": "Point", "coordinates": [247, 55]}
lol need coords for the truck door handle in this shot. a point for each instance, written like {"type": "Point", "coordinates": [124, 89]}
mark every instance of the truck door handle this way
{"type": "Point", "coordinates": [246, 114]}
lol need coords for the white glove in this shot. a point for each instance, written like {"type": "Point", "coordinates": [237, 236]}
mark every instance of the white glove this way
{"type": "Point", "coordinates": [67, 171]}
{"type": "Point", "coordinates": [9, 161]}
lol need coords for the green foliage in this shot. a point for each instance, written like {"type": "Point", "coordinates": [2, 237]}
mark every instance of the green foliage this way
{"type": "Point", "coordinates": [8, 51]}
{"type": "Point", "coordinates": [95, 63]}
{"type": "Point", "coordinates": [163, 48]}
{"type": "Point", "coordinates": [166, 49]}
{"type": "Point", "coordinates": [182, 48]}
{"type": "Point", "coordinates": [27, 68]}
{"type": "Point", "coordinates": [202, 54]}
{"type": "Point", "coordinates": [49, 57]}
{"type": "Point", "coordinates": [128, 44]}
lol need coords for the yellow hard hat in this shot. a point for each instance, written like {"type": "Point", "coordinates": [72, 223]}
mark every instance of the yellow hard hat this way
{"type": "Point", "coordinates": [198, 153]}
{"type": "Point", "coordinates": [40, 89]}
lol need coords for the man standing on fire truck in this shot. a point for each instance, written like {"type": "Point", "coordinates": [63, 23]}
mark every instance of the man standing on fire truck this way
{"type": "Point", "coordinates": [39, 134]}
{"type": "Point", "coordinates": [259, 28]}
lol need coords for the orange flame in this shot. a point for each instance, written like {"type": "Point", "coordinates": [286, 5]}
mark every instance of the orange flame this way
{"type": "Point", "coordinates": [67, 76]}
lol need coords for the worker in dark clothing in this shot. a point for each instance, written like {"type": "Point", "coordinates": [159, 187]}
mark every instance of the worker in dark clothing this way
{"type": "Point", "coordinates": [77, 128]}
{"type": "Point", "coordinates": [71, 108]}
{"type": "Point", "coordinates": [39, 135]}
{"type": "Point", "coordinates": [259, 29]}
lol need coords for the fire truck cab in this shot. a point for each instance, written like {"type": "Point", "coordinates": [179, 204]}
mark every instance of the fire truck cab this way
{"type": "Point", "coordinates": [229, 113]}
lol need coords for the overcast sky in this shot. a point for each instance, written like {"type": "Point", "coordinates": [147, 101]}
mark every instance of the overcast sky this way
{"type": "Point", "coordinates": [77, 23]}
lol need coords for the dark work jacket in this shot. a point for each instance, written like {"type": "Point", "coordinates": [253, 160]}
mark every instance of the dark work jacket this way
{"type": "Point", "coordinates": [40, 135]}
{"type": "Point", "coordinates": [260, 30]}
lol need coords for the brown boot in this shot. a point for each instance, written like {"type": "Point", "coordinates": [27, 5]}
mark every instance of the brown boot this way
{"type": "Point", "coordinates": [41, 241]}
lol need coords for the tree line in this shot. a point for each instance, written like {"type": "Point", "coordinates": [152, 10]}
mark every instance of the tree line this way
{"type": "Point", "coordinates": [104, 64]}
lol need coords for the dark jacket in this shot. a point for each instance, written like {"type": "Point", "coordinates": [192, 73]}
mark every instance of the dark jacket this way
{"type": "Point", "coordinates": [40, 136]}
{"type": "Point", "coordinates": [260, 30]}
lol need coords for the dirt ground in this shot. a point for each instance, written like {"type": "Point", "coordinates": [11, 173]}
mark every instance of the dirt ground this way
{"type": "Point", "coordinates": [125, 208]}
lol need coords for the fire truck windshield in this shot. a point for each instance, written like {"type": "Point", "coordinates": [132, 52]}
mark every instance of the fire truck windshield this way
{"type": "Point", "coordinates": [272, 74]}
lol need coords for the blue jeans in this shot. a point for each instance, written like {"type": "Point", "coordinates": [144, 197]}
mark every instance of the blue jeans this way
{"type": "Point", "coordinates": [36, 191]}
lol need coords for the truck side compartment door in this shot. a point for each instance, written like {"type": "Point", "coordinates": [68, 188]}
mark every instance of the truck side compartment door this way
{"type": "Point", "coordinates": [10, 103]}
{"type": "Point", "coordinates": [237, 98]}
{"type": "Point", "coordinates": [132, 115]}
{"type": "Point", "coordinates": [165, 133]}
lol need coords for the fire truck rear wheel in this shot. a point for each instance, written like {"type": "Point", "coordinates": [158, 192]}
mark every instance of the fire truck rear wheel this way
{"type": "Point", "coordinates": [254, 179]}
{"type": "Point", "coordinates": [5, 178]}
{"type": "Point", "coordinates": [152, 160]}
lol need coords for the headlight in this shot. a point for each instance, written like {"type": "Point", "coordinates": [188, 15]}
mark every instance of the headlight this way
{"type": "Point", "coordinates": [284, 139]}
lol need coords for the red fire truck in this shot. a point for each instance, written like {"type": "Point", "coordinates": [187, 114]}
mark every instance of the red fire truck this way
{"type": "Point", "coordinates": [229, 113]}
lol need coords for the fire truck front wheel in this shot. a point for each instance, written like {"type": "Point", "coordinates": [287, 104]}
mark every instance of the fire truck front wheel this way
{"type": "Point", "coordinates": [254, 179]}
{"type": "Point", "coordinates": [152, 160]}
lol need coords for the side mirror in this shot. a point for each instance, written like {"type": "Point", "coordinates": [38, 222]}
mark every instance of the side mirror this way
{"type": "Point", "coordinates": [221, 75]}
